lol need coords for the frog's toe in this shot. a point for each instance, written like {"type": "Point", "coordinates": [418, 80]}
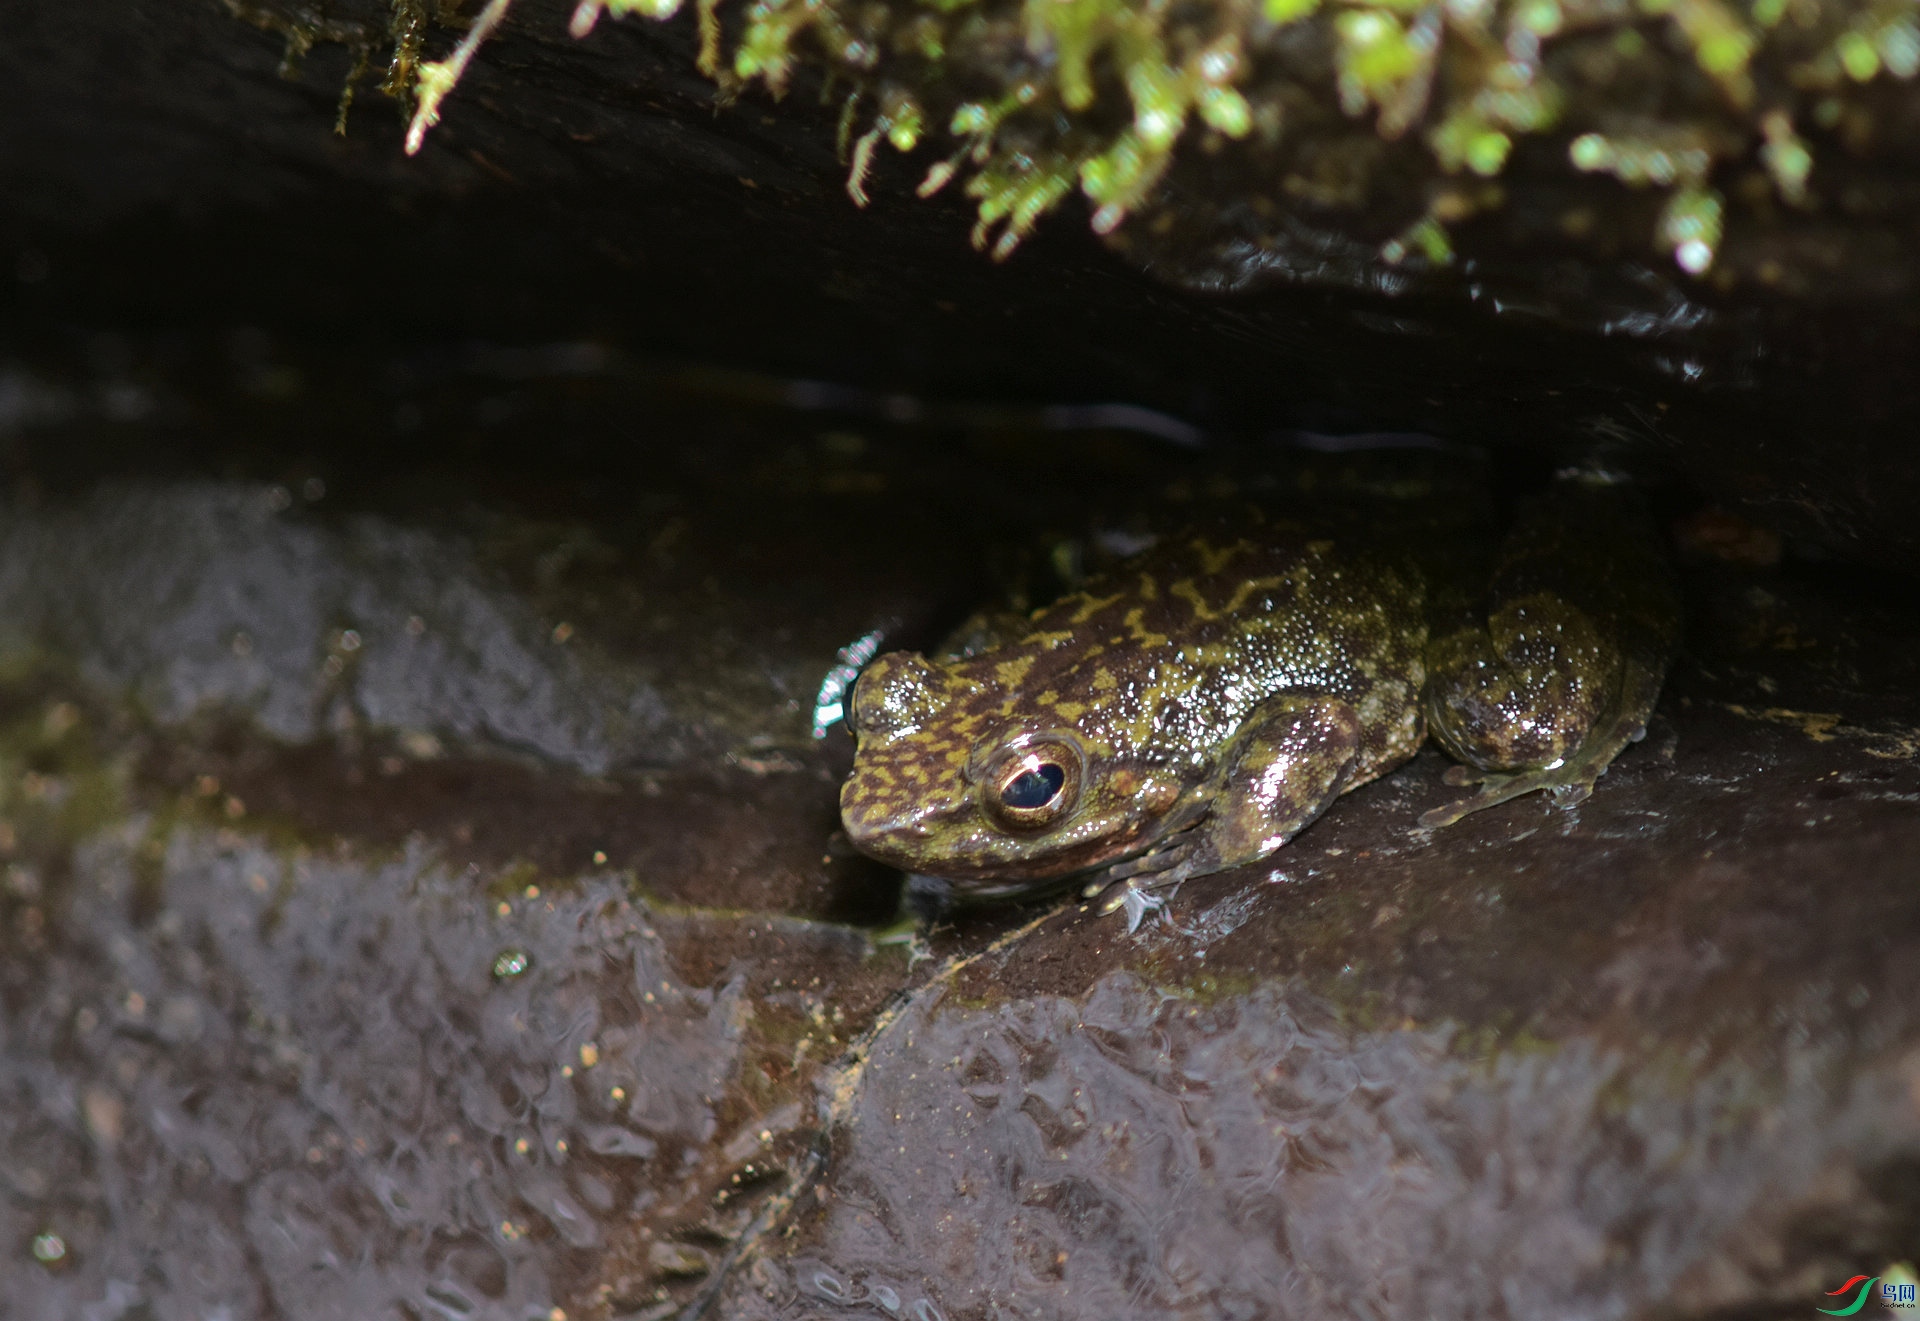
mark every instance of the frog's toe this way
{"type": "Point", "coordinates": [1147, 864]}
{"type": "Point", "coordinates": [1494, 790]}
{"type": "Point", "coordinates": [1567, 784]}
{"type": "Point", "coordinates": [1153, 870]}
{"type": "Point", "coordinates": [1465, 777]}
{"type": "Point", "coordinates": [1435, 817]}
{"type": "Point", "coordinates": [1568, 795]}
{"type": "Point", "coordinates": [1138, 901]}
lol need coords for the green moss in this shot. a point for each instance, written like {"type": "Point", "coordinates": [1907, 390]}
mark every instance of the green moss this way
{"type": "Point", "coordinates": [1427, 237]}
{"type": "Point", "coordinates": [645, 8]}
{"type": "Point", "coordinates": [1642, 160]}
{"type": "Point", "coordinates": [1013, 195]}
{"type": "Point", "coordinates": [1723, 41]}
{"type": "Point", "coordinates": [1690, 227]}
{"type": "Point", "coordinates": [402, 30]}
{"type": "Point", "coordinates": [1786, 157]}
{"type": "Point", "coordinates": [1043, 99]}
{"type": "Point", "coordinates": [1382, 62]}
{"type": "Point", "coordinates": [766, 51]}
{"type": "Point", "coordinates": [56, 786]}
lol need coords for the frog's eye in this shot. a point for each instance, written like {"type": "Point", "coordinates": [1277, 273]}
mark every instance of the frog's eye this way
{"type": "Point", "coordinates": [1033, 783]}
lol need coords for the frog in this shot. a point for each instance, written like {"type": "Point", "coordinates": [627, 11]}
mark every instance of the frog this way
{"type": "Point", "coordinates": [1196, 707]}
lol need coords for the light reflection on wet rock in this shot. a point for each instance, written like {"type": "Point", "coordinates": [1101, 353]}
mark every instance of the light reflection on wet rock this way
{"type": "Point", "coordinates": [1144, 1154]}
{"type": "Point", "coordinates": [360, 1121]}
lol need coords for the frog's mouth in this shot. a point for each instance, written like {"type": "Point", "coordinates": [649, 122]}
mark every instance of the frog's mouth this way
{"type": "Point", "coordinates": [932, 897]}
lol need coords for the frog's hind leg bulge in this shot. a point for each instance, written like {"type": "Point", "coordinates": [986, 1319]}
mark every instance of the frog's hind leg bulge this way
{"type": "Point", "coordinates": [1567, 780]}
{"type": "Point", "coordinates": [1564, 672]}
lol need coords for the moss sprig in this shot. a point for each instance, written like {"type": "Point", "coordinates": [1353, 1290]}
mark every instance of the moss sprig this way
{"type": "Point", "coordinates": [1030, 102]}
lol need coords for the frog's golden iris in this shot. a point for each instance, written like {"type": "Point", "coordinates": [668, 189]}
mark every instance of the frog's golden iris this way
{"type": "Point", "coordinates": [1033, 781]}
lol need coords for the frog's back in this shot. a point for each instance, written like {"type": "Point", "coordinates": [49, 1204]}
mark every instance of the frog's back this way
{"type": "Point", "coordinates": [1161, 660]}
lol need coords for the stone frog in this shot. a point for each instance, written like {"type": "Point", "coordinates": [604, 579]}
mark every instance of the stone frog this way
{"type": "Point", "coordinates": [1201, 704]}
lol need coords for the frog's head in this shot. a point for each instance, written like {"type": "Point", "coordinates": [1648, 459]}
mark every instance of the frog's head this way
{"type": "Point", "coordinates": [948, 781]}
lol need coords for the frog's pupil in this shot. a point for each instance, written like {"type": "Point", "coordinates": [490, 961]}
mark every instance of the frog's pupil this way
{"type": "Point", "coordinates": [1034, 788]}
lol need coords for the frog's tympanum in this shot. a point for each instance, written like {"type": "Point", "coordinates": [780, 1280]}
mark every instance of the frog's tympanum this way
{"type": "Point", "coordinates": [1200, 705]}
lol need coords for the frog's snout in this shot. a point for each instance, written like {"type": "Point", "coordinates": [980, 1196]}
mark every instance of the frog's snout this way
{"type": "Point", "coordinates": [865, 826]}
{"type": "Point", "coordinates": [860, 829]}
{"type": "Point", "coordinates": [882, 828]}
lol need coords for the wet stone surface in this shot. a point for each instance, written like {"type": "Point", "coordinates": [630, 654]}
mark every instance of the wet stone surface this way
{"type": "Point", "coordinates": [315, 1088]}
{"type": "Point", "coordinates": [246, 1073]}
{"type": "Point", "coordinates": [1655, 1059]}
{"type": "Point", "coordinates": [489, 975]}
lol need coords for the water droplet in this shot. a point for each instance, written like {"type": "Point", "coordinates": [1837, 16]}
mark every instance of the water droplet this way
{"type": "Point", "coordinates": [49, 1249]}
{"type": "Point", "coordinates": [830, 1286]}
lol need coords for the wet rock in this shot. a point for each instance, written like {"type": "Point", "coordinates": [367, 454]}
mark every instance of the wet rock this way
{"type": "Point", "coordinates": [211, 599]}
{"type": "Point", "coordinates": [299, 1018]}
{"type": "Point", "coordinates": [1136, 1151]}
{"type": "Point", "coordinates": [364, 1118]}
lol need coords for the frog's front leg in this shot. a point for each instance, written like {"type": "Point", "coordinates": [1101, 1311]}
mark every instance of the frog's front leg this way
{"type": "Point", "coordinates": [1293, 754]}
{"type": "Point", "coordinates": [1563, 673]}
